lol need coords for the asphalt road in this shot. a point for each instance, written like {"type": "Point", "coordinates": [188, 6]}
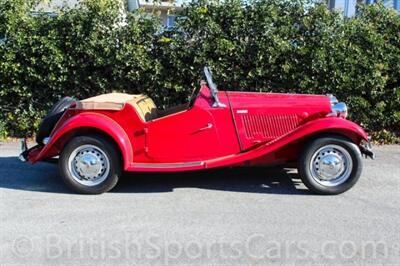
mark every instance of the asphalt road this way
{"type": "Point", "coordinates": [230, 216]}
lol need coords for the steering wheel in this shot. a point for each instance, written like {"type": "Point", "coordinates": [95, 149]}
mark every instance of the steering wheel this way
{"type": "Point", "coordinates": [193, 97]}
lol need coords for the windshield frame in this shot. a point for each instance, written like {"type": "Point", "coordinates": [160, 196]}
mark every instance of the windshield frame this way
{"type": "Point", "coordinates": [213, 88]}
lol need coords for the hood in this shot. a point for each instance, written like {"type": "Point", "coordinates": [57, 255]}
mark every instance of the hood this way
{"type": "Point", "coordinates": [263, 117]}
{"type": "Point", "coordinates": [280, 102]}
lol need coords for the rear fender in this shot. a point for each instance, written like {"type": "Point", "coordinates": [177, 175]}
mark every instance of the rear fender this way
{"type": "Point", "coordinates": [95, 121]}
{"type": "Point", "coordinates": [315, 128]}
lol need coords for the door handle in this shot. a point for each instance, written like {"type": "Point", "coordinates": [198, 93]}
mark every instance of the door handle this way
{"type": "Point", "coordinates": [209, 126]}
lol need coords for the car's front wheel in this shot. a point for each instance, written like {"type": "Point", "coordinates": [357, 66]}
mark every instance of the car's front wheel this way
{"type": "Point", "coordinates": [90, 165]}
{"type": "Point", "coordinates": [330, 165]}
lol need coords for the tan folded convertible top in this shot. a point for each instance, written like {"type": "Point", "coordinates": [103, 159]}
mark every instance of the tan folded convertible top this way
{"type": "Point", "coordinates": [110, 101]}
{"type": "Point", "coordinates": [143, 104]}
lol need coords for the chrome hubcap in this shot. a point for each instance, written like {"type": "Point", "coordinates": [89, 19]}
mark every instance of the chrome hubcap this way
{"type": "Point", "coordinates": [331, 165]}
{"type": "Point", "coordinates": [89, 165]}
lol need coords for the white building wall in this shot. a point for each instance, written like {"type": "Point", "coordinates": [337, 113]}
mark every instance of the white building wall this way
{"type": "Point", "coordinates": [51, 5]}
{"type": "Point", "coordinates": [348, 7]}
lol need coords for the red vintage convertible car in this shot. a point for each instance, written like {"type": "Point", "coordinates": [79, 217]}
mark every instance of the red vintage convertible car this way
{"type": "Point", "coordinates": [98, 138]}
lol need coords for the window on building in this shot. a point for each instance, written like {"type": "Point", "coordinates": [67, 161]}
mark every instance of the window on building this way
{"type": "Point", "coordinates": [397, 5]}
{"type": "Point", "coordinates": [171, 19]}
{"type": "Point", "coordinates": [388, 3]}
{"type": "Point", "coordinates": [331, 4]}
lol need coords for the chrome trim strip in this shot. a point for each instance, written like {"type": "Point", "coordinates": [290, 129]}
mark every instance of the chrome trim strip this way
{"type": "Point", "coordinates": [166, 165]}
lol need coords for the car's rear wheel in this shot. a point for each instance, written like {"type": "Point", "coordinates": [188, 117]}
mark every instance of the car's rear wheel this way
{"type": "Point", "coordinates": [330, 165]}
{"type": "Point", "coordinates": [90, 165]}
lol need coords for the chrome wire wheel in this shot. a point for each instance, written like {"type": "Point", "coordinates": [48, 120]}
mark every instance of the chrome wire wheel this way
{"type": "Point", "coordinates": [331, 165]}
{"type": "Point", "coordinates": [89, 165]}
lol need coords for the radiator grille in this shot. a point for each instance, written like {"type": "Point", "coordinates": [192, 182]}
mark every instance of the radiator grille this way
{"type": "Point", "coordinates": [269, 126]}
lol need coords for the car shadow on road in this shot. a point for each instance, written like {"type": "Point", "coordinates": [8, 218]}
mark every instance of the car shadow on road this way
{"type": "Point", "coordinates": [251, 180]}
{"type": "Point", "coordinates": [43, 177]}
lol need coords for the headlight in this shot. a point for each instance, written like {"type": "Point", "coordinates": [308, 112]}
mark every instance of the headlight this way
{"type": "Point", "coordinates": [332, 99]}
{"type": "Point", "coordinates": [339, 109]}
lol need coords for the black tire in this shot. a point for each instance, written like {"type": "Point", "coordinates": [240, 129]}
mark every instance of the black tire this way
{"type": "Point", "coordinates": [51, 119]}
{"type": "Point", "coordinates": [108, 150]}
{"type": "Point", "coordinates": [315, 185]}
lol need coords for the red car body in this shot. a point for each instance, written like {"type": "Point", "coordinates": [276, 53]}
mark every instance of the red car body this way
{"type": "Point", "coordinates": [247, 129]}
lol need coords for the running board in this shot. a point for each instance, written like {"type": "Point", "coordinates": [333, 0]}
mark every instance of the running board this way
{"type": "Point", "coordinates": [165, 167]}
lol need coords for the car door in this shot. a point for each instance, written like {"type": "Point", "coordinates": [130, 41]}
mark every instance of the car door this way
{"type": "Point", "coordinates": [186, 136]}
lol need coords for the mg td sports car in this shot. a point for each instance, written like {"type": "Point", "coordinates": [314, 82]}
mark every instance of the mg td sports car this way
{"type": "Point", "coordinates": [99, 138]}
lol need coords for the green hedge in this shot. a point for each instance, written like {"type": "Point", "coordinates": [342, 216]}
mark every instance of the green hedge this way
{"type": "Point", "coordinates": [263, 45]}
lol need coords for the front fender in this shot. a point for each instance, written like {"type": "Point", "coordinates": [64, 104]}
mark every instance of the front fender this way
{"type": "Point", "coordinates": [333, 125]}
{"type": "Point", "coordinates": [95, 121]}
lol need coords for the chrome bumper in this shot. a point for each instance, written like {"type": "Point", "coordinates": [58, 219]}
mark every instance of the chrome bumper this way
{"type": "Point", "coordinates": [24, 155]}
{"type": "Point", "coordinates": [366, 149]}
{"type": "Point", "coordinates": [24, 151]}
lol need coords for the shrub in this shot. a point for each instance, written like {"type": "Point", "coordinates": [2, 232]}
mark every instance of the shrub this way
{"type": "Point", "coordinates": [258, 45]}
